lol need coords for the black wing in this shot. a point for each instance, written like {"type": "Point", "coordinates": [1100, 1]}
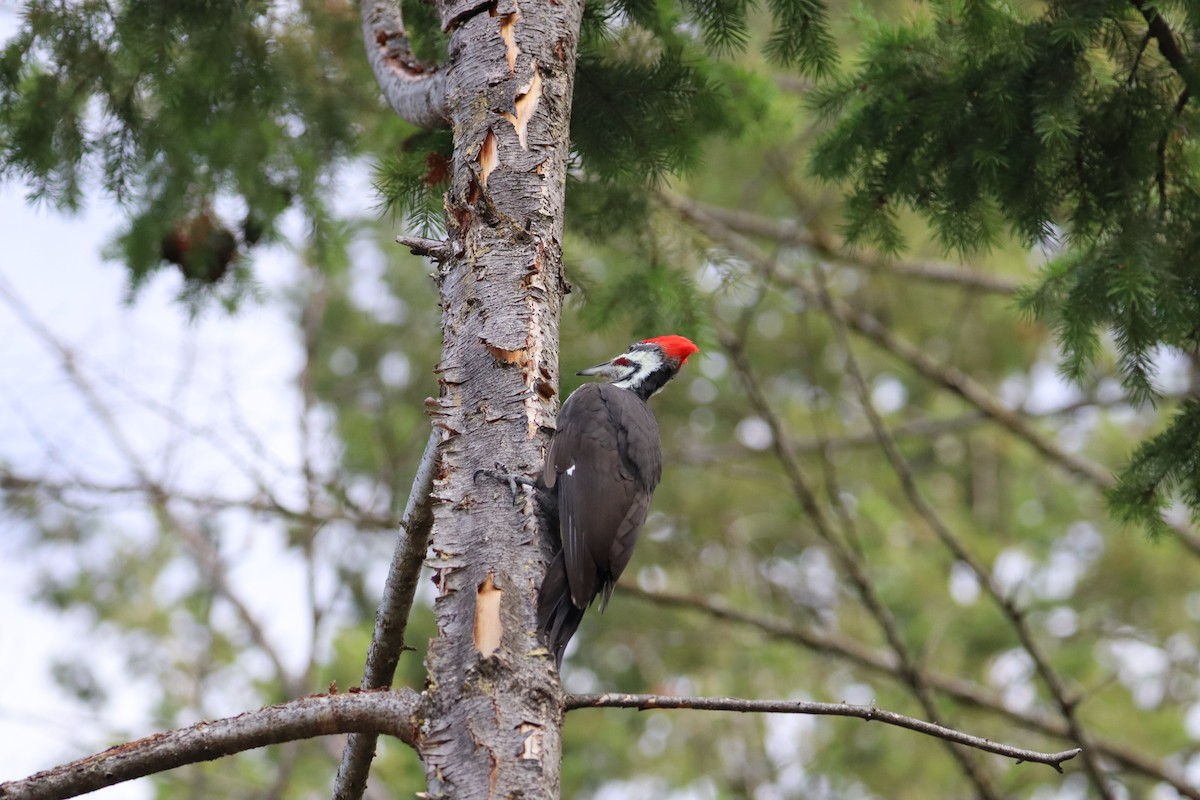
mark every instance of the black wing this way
{"type": "Point", "coordinates": [604, 462]}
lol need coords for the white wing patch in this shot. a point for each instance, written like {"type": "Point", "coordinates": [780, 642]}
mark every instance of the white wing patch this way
{"type": "Point", "coordinates": [570, 470]}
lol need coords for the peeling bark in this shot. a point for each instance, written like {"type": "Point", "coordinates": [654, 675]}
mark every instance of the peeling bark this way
{"type": "Point", "coordinates": [493, 704]}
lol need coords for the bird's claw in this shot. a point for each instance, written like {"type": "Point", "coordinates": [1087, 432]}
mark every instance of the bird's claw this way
{"type": "Point", "coordinates": [509, 479]}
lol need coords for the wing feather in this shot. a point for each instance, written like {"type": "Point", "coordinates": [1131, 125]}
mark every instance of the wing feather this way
{"type": "Point", "coordinates": [603, 491]}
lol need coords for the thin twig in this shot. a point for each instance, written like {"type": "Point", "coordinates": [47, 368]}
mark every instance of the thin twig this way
{"type": "Point", "coordinates": [311, 320]}
{"type": "Point", "coordinates": [846, 558]}
{"type": "Point", "coordinates": [884, 663]}
{"type": "Point", "coordinates": [645, 702]}
{"type": "Point", "coordinates": [791, 233]}
{"type": "Point", "coordinates": [958, 549]}
{"type": "Point", "coordinates": [1160, 175]}
{"type": "Point", "coordinates": [915, 429]}
{"type": "Point", "coordinates": [947, 377]}
{"type": "Point", "coordinates": [393, 713]}
{"type": "Point", "coordinates": [391, 622]}
{"type": "Point", "coordinates": [193, 537]}
{"type": "Point", "coordinates": [60, 489]}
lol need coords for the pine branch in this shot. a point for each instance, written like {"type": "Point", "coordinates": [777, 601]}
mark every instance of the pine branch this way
{"type": "Point", "coordinates": [391, 622]}
{"type": "Point", "coordinates": [1168, 45]}
{"type": "Point", "coordinates": [392, 713]}
{"type": "Point", "coordinates": [949, 378]}
{"type": "Point", "coordinates": [414, 90]}
{"type": "Point", "coordinates": [645, 702]}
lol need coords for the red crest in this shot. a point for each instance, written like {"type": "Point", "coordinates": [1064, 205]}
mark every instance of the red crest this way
{"type": "Point", "coordinates": [677, 348]}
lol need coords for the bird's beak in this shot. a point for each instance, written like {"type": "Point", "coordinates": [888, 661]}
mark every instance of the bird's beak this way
{"type": "Point", "coordinates": [609, 370]}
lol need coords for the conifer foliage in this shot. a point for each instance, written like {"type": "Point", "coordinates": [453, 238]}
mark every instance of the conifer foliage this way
{"type": "Point", "coordinates": [1070, 126]}
{"type": "Point", "coordinates": [1067, 124]}
{"type": "Point", "coordinates": [167, 108]}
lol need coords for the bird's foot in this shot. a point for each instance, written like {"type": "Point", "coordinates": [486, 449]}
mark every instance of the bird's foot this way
{"type": "Point", "coordinates": [509, 479]}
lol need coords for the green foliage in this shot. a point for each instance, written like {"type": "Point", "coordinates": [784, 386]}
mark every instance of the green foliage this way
{"type": "Point", "coordinates": [1166, 466]}
{"type": "Point", "coordinates": [174, 109]}
{"type": "Point", "coordinates": [1065, 124]}
{"type": "Point", "coordinates": [801, 36]}
{"type": "Point", "coordinates": [411, 183]}
{"type": "Point", "coordinates": [187, 111]}
{"type": "Point", "coordinates": [638, 119]}
{"type": "Point", "coordinates": [423, 25]}
{"type": "Point", "coordinates": [986, 118]}
{"type": "Point", "coordinates": [648, 298]}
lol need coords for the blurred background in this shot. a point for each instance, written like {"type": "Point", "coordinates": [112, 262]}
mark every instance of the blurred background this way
{"type": "Point", "coordinates": [878, 489]}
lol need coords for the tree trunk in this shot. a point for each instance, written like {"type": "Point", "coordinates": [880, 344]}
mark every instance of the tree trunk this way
{"type": "Point", "coordinates": [494, 712]}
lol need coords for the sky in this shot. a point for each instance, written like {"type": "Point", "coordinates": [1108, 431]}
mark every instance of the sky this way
{"type": "Point", "coordinates": [164, 378]}
{"type": "Point", "coordinates": [169, 382]}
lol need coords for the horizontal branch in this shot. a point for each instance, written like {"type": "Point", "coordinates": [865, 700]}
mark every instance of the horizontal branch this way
{"type": "Point", "coordinates": [961, 690]}
{"type": "Point", "coordinates": [918, 428]}
{"type": "Point", "coordinates": [387, 712]}
{"type": "Point", "coordinates": [645, 702]}
{"type": "Point", "coordinates": [66, 491]}
{"type": "Point", "coordinates": [436, 249]}
{"type": "Point", "coordinates": [414, 90]}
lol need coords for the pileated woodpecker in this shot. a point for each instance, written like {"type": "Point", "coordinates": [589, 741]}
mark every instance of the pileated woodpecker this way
{"type": "Point", "coordinates": [601, 469]}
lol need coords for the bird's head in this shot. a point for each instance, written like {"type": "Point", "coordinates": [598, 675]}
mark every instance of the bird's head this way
{"type": "Point", "coordinates": [647, 365]}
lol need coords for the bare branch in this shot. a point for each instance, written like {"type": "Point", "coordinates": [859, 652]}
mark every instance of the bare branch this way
{"type": "Point", "coordinates": [645, 702]}
{"type": "Point", "coordinates": [69, 491]}
{"type": "Point", "coordinates": [917, 429]}
{"type": "Point", "coordinates": [885, 663]}
{"type": "Point", "coordinates": [420, 246]}
{"type": "Point", "coordinates": [206, 554]}
{"type": "Point", "coordinates": [393, 713]}
{"type": "Point", "coordinates": [391, 622]}
{"type": "Point", "coordinates": [793, 233]}
{"type": "Point", "coordinates": [846, 558]}
{"type": "Point", "coordinates": [955, 545]}
{"type": "Point", "coordinates": [414, 90]}
{"type": "Point", "coordinates": [947, 377]}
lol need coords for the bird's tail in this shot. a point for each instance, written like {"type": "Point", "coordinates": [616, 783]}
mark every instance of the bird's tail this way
{"type": "Point", "coordinates": [558, 617]}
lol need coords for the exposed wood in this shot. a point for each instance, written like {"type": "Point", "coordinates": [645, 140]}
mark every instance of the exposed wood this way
{"type": "Point", "coordinates": [493, 701]}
